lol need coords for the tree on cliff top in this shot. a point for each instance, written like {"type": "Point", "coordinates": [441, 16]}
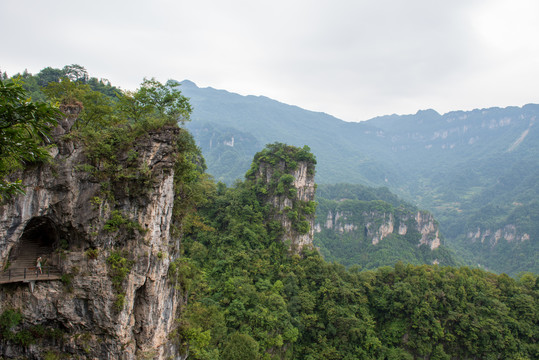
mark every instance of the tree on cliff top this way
{"type": "Point", "coordinates": [155, 100]}
{"type": "Point", "coordinates": [288, 155]}
{"type": "Point", "coordinates": [24, 127]}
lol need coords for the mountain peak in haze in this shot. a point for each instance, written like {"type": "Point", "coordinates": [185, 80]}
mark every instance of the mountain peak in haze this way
{"type": "Point", "coordinates": [428, 112]}
{"type": "Point", "coordinates": [188, 83]}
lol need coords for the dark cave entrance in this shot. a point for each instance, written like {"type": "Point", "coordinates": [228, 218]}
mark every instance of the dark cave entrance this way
{"type": "Point", "coordinates": [39, 239]}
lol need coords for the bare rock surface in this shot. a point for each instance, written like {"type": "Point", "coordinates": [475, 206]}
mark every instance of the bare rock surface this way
{"type": "Point", "coordinates": [303, 186]}
{"type": "Point", "coordinates": [67, 212]}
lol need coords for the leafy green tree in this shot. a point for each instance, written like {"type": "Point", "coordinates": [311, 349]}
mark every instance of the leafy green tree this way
{"type": "Point", "coordinates": [95, 107]}
{"type": "Point", "coordinates": [49, 75]}
{"type": "Point", "coordinates": [76, 73]}
{"type": "Point", "coordinates": [24, 128]}
{"type": "Point", "coordinates": [154, 99]}
{"type": "Point", "coordinates": [65, 91]}
{"type": "Point", "coordinates": [241, 347]}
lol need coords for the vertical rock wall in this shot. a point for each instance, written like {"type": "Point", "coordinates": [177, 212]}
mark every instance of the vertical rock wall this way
{"type": "Point", "coordinates": [98, 319]}
{"type": "Point", "coordinates": [300, 192]}
{"type": "Point", "coordinates": [379, 225]}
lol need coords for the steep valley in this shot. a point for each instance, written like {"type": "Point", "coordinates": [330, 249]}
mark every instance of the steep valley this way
{"type": "Point", "coordinates": [471, 169]}
{"type": "Point", "coordinates": [142, 255]}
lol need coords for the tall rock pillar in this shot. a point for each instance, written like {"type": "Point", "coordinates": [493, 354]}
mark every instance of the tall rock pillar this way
{"type": "Point", "coordinates": [285, 176]}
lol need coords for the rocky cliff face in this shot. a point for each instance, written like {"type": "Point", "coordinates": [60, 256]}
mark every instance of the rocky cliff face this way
{"type": "Point", "coordinates": [111, 242]}
{"type": "Point", "coordinates": [376, 225]}
{"type": "Point", "coordinates": [285, 204]}
{"type": "Point", "coordinates": [428, 227]}
{"type": "Point", "coordinates": [509, 233]}
{"type": "Point", "coordinates": [290, 189]}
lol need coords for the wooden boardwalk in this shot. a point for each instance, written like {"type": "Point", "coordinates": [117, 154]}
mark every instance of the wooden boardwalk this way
{"type": "Point", "coordinates": [23, 261]}
{"type": "Point", "coordinates": [28, 274]}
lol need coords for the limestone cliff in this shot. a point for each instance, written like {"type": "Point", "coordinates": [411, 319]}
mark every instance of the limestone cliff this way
{"type": "Point", "coordinates": [285, 175]}
{"type": "Point", "coordinates": [111, 242]}
{"type": "Point", "coordinates": [509, 233]}
{"type": "Point", "coordinates": [377, 224]}
{"type": "Point", "coordinates": [371, 227]}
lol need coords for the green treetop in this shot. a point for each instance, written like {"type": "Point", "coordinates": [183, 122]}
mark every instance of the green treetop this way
{"type": "Point", "coordinates": [24, 129]}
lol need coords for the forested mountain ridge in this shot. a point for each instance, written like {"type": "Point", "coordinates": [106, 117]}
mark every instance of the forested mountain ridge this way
{"type": "Point", "coordinates": [368, 227]}
{"type": "Point", "coordinates": [150, 230]}
{"type": "Point", "coordinates": [242, 126]}
{"type": "Point", "coordinates": [474, 170]}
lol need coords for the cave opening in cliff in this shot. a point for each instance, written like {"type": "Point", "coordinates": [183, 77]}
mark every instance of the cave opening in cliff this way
{"type": "Point", "coordinates": [39, 239]}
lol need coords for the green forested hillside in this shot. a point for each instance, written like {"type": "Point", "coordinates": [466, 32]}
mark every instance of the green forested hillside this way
{"type": "Point", "coordinates": [254, 121]}
{"type": "Point", "coordinates": [359, 215]}
{"type": "Point", "coordinates": [475, 171]}
{"type": "Point", "coordinates": [361, 192]}
{"type": "Point", "coordinates": [250, 298]}
{"type": "Point", "coordinates": [247, 296]}
{"type": "Point", "coordinates": [471, 169]}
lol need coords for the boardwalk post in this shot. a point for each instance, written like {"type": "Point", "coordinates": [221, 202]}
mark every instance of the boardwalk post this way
{"type": "Point", "coordinates": [24, 273]}
{"type": "Point", "coordinates": [9, 274]}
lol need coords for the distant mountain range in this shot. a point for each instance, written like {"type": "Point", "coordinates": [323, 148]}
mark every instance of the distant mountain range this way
{"type": "Point", "coordinates": [476, 171]}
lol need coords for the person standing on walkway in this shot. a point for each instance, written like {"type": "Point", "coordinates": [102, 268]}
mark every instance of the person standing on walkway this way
{"type": "Point", "coordinates": [38, 265]}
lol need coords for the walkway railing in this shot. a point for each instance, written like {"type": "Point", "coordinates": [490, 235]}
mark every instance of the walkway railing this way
{"type": "Point", "coordinates": [29, 274]}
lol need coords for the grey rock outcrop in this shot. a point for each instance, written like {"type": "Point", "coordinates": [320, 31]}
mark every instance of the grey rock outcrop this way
{"type": "Point", "coordinates": [99, 316]}
{"type": "Point", "coordinates": [304, 184]}
{"type": "Point", "coordinates": [509, 233]}
{"type": "Point", "coordinates": [377, 225]}
{"type": "Point", "coordinates": [290, 189]}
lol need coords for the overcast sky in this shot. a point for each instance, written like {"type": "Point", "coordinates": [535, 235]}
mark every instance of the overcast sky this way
{"type": "Point", "coordinates": [353, 59]}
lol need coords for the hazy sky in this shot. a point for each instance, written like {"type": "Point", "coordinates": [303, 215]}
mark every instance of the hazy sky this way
{"type": "Point", "coordinates": [353, 59]}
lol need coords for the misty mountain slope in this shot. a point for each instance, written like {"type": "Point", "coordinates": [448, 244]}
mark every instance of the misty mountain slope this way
{"type": "Point", "coordinates": [217, 112]}
{"type": "Point", "coordinates": [478, 173]}
{"type": "Point", "coordinates": [472, 169]}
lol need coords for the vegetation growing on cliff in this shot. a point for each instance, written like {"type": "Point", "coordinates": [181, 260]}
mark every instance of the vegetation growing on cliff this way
{"type": "Point", "coordinates": [284, 158]}
{"type": "Point", "coordinates": [24, 133]}
{"type": "Point", "coordinates": [12, 332]}
{"type": "Point", "coordinates": [118, 166]}
{"type": "Point", "coordinates": [244, 283]}
{"type": "Point", "coordinates": [272, 174]}
{"type": "Point", "coordinates": [113, 125]}
{"type": "Point", "coordinates": [247, 296]}
{"type": "Point", "coordinates": [357, 213]}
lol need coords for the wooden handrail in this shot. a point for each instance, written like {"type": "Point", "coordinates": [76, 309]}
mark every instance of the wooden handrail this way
{"type": "Point", "coordinates": [28, 274]}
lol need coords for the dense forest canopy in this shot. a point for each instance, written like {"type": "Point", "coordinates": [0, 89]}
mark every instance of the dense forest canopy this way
{"type": "Point", "coordinates": [248, 297]}
{"type": "Point", "coordinates": [244, 283]}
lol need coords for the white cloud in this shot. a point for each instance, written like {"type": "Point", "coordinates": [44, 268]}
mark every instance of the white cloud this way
{"type": "Point", "coordinates": [352, 59]}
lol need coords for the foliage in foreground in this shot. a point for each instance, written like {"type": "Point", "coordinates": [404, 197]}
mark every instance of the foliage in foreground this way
{"type": "Point", "coordinates": [24, 129]}
{"type": "Point", "coordinates": [242, 282]}
{"type": "Point", "coordinates": [248, 298]}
